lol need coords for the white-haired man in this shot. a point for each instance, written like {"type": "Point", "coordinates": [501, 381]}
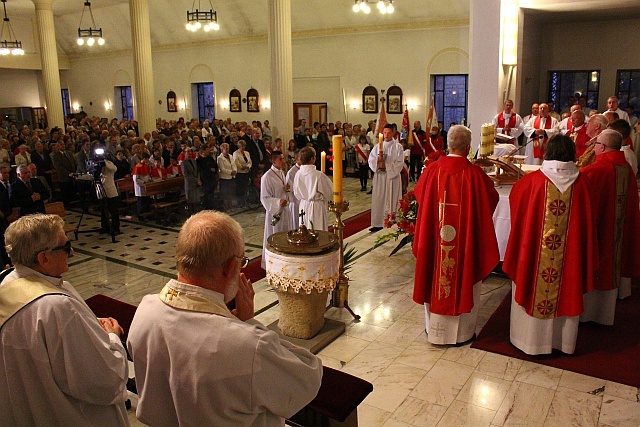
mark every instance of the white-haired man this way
{"type": "Point", "coordinates": [61, 365]}
{"type": "Point", "coordinates": [199, 363]}
{"type": "Point", "coordinates": [539, 129]}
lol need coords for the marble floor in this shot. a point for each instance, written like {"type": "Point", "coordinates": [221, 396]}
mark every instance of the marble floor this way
{"type": "Point", "coordinates": [415, 383]}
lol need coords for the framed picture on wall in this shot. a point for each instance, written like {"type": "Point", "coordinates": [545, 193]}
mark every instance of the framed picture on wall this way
{"type": "Point", "coordinates": [370, 100]}
{"type": "Point", "coordinates": [253, 101]}
{"type": "Point", "coordinates": [395, 103]}
{"type": "Point", "coordinates": [235, 101]}
{"type": "Point", "coordinates": [172, 103]}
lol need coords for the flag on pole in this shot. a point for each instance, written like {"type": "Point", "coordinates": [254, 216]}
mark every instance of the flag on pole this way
{"type": "Point", "coordinates": [406, 129]}
{"type": "Point", "coordinates": [432, 118]}
{"type": "Point", "coordinates": [381, 121]}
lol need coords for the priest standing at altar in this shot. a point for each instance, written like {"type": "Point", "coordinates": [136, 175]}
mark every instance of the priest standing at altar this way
{"type": "Point", "coordinates": [614, 191]}
{"type": "Point", "coordinates": [538, 130]}
{"type": "Point", "coordinates": [509, 123]}
{"type": "Point", "coordinates": [551, 253]}
{"type": "Point", "coordinates": [275, 196]}
{"type": "Point", "coordinates": [455, 243]}
{"type": "Point", "coordinates": [386, 163]}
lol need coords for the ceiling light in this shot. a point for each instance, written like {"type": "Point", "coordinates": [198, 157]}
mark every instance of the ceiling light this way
{"type": "Point", "coordinates": [383, 6]}
{"type": "Point", "coordinates": [13, 45]}
{"type": "Point", "coordinates": [196, 18]}
{"type": "Point", "coordinates": [91, 33]}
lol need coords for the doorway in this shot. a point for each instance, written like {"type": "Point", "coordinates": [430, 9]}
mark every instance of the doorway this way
{"type": "Point", "coordinates": [310, 111]}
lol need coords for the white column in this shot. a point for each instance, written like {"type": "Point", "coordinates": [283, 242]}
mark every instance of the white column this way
{"type": "Point", "coordinates": [485, 69]}
{"type": "Point", "coordinates": [281, 67]}
{"type": "Point", "coordinates": [142, 64]}
{"type": "Point", "coordinates": [49, 59]}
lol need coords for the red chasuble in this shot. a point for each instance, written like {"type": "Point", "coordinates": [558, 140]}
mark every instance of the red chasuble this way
{"type": "Point", "coordinates": [552, 248]}
{"type": "Point", "coordinates": [501, 122]}
{"type": "Point", "coordinates": [580, 137]}
{"type": "Point", "coordinates": [538, 147]}
{"type": "Point", "coordinates": [455, 242]}
{"type": "Point", "coordinates": [614, 192]}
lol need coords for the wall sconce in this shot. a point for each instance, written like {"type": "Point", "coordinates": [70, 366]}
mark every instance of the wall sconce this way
{"type": "Point", "coordinates": [107, 105]}
{"type": "Point", "coordinates": [355, 105]}
{"type": "Point", "coordinates": [76, 106]}
{"type": "Point", "coordinates": [266, 104]}
{"type": "Point", "coordinates": [411, 105]}
{"type": "Point", "coordinates": [224, 105]}
{"type": "Point", "coordinates": [182, 105]}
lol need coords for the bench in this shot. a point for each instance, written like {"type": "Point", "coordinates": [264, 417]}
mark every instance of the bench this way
{"type": "Point", "coordinates": [57, 208]}
{"type": "Point", "coordinates": [125, 186]}
{"type": "Point", "coordinates": [158, 188]}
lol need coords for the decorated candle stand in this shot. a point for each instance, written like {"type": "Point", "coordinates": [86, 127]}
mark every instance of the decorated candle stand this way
{"type": "Point", "coordinates": [340, 294]}
{"type": "Point", "coordinates": [505, 171]}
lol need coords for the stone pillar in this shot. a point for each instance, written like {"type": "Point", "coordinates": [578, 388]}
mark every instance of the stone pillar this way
{"type": "Point", "coordinates": [281, 87]}
{"type": "Point", "coordinates": [485, 69]}
{"type": "Point", "coordinates": [49, 59]}
{"type": "Point", "coordinates": [144, 106]}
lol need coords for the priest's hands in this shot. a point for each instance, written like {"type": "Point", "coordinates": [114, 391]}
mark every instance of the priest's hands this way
{"type": "Point", "coordinates": [111, 326]}
{"type": "Point", "coordinates": [244, 299]}
{"type": "Point", "coordinates": [283, 202]}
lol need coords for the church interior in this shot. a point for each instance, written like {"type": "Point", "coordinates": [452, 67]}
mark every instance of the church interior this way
{"type": "Point", "coordinates": [334, 54]}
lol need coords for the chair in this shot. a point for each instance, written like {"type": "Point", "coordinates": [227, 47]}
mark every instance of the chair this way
{"type": "Point", "coordinates": [57, 208]}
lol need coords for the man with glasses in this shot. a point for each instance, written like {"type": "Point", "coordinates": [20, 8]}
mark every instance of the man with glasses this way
{"type": "Point", "coordinates": [61, 365]}
{"type": "Point", "coordinates": [199, 363]}
{"type": "Point", "coordinates": [552, 254]}
{"type": "Point", "coordinates": [614, 191]}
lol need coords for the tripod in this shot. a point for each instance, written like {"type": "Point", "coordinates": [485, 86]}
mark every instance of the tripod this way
{"type": "Point", "coordinates": [102, 200]}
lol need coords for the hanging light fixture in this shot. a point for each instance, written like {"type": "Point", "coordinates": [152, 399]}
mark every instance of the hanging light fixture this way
{"type": "Point", "coordinates": [196, 18]}
{"type": "Point", "coordinates": [91, 33]}
{"type": "Point", "coordinates": [13, 45]}
{"type": "Point", "coordinates": [383, 6]}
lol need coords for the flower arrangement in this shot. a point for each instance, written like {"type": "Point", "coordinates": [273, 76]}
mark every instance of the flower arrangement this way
{"type": "Point", "coordinates": [405, 221]}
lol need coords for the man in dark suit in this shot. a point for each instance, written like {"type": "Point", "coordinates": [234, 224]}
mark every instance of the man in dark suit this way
{"type": "Point", "coordinates": [5, 211]}
{"type": "Point", "coordinates": [27, 195]}
{"type": "Point", "coordinates": [258, 152]}
{"type": "Point", "coordinates": [65, 164]}
{"type": "Point", "coordinates": [42, 160]}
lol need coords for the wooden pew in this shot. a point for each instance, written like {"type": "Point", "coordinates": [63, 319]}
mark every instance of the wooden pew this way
{"type": "Point", "coordinates": [157, 188]}
{"type": "Point", "coordinates": [125, 185]}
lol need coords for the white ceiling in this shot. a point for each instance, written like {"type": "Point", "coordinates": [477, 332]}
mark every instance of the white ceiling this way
{"type": "Point", "coordinates": [248, 18]}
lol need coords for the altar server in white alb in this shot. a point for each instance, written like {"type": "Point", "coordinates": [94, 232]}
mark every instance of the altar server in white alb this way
{"type": "Point", "coordinates": [387, 185]}
{"type": "Point", "coordinates": [275, 196]}
{"type": "Point", "coordinates": [295, 203]}
{"type": "Point", "coordinates": [60, 364]}
{"type": "Point", "coordinates": [508, 122]}
{"type": "Point", "coordinates": [313, 188]}
{"type": "Point", "coordinates": [198, 363]}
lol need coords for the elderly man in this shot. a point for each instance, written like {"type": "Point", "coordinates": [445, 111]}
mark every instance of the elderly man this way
{"type": "Point", "coordinates": [508, 122]}
{"type": "Point", "coordinates": [313, 189]}
{"type": "Point", "coordinates": [539, 129]}
{"type": "Point", "coordinates": [627, 148]}
{"type": "Point", "coordinates": [614, 191]}
{"type": "Point", "coordinates": [386, 162]}
{"type": "Point", "coordinates": [552, 255]}
{"type": "Point", "coordinates": [576, 129]}
{"type": "Point", "coordinates": [455, 244]}
{"type": "Point", "coordinates": [197, 362]}
{"type": "Point", "coordinates": [275, 196]}
{"type": "Point", "coordinates": [597, 123]}
{"type": "Point", "coordinates": [26, 194]}
{"type": "Point", "coordinates": [61, 365]}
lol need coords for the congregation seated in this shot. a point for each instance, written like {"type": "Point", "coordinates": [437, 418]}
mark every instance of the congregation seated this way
{"type": "Point", "coordinates": [26, 194]}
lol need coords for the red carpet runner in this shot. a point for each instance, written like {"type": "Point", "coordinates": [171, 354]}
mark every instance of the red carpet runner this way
{"type": "Point", "coordinates": [607, 352]}
{"type": "Point", "coordinates": [353, 225]}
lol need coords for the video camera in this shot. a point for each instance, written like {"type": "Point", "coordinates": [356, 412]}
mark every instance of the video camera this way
{"type": "Point", "coordinates": [96, 163]}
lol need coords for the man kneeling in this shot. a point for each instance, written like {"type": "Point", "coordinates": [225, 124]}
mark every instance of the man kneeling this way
{"type": "Point", "coordinates": [197, 362]}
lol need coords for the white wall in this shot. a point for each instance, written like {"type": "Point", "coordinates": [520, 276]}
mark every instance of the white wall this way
{"type": "Point", "coordinates": [20, 88]}
{"type": "Point", "coordinates": [355, 61]}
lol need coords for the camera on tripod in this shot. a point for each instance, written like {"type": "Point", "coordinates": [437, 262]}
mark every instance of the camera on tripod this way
{"type": "Point", "coordinates": [96, 163]}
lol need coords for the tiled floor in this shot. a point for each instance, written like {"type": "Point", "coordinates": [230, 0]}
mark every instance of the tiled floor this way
{"type": "Point", "coordinates": [415, 383]}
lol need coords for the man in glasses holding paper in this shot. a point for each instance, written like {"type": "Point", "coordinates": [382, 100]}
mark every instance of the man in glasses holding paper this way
{"type": "Point", "coordinates": [61, 365]}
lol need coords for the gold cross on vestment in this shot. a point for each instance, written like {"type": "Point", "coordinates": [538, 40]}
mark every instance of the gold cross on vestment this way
{"type": "Point", "coordinates": [172, 293]}
{"type": "Point", "coordinates": [441, 207]}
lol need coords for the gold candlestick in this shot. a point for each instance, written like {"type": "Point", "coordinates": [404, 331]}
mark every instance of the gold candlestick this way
{"type": "Point", "coordinates": [340, 294]}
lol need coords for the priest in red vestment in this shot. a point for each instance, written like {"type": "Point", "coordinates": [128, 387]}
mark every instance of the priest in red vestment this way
{"type": "Point", "coordinates": [539, 129]}
{"type": "Point", "coordinates": [577, 131]}
{"type": "Point", "coordinates": [614, 191]}
{"type": "Point", "coordinates": [455, 242]}
{"type": "Point", "coordinates": [551, 253]}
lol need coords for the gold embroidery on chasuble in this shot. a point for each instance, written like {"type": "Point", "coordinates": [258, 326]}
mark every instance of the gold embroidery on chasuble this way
{"type": "Point", "coordinates": [551, 256]}
{"type": "Point", "coordinates": [622, 190]}
{"type": "Point", "coordinates": [449, 208]}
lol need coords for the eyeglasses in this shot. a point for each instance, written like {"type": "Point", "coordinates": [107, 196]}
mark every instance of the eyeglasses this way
{"type": "Point", "coordinates": [66, 247]}
{"type": "Point", "coordinates": [244, 261]}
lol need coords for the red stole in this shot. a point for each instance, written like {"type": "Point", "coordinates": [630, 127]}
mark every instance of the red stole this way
{"type": "Point", "coordinates": [552, 248]}
{"type": "Point", "coordinates": [512, 122]}
{"type": "Point", "coordinates": [454, 243]}
{"type": "Point", "coordinates": [538, 148]}
{"type": "Point", "coordinates": [614, 191]}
